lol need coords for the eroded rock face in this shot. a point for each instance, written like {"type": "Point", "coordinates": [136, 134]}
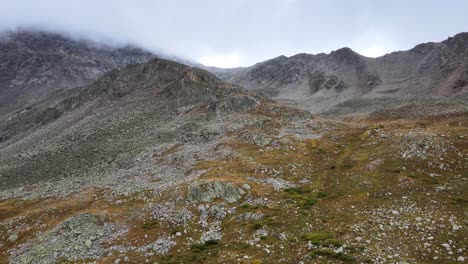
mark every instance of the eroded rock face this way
{"type": "Point", "coordinates": [208, 191]}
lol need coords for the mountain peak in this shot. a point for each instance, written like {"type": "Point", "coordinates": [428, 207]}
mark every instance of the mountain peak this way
{"type": "Point", "coordinates": [344, 52]}
{"type": "Point", "coordinates": [346, 55]}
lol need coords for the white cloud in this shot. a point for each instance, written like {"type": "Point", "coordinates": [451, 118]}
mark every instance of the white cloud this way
{"type": "Point", "coordinates": [222, 60]}
{"type": "Point", "coordinates": [373, 52]}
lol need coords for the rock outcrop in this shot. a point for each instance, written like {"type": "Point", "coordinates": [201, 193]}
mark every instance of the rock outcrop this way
{"type": "Point", "coordinates": [202, 192]}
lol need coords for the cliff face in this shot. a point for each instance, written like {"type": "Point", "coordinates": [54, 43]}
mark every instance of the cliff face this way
{"type": "Point", "coordinates": [34, 65]}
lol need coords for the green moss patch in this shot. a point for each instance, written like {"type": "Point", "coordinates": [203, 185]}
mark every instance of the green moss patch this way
{"type": "Point", "coordinates": [324, 239]}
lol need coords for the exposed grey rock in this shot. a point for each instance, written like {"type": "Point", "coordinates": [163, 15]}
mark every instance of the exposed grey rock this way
{"type": "Point", "coordinates": [13, 237]}
{"type": "Point", "coordinates": [168, 212]}
{"type": "Point", "coordinates": [282, 236]}
{"type": "Point", "coordinates": [73, 239]}
{"type": "Point", "coordinates": [214, 232]}
{"type": "Point", "coordinates": [235, 103]}
{"type": "Point", "coordinates": [256, 138]}
{"type": "Point", "coordinates": [251, 216]}
{"type": "Point", "coordinates": [277, 184]}
{"type": "Point", "coordinates": [208, 191]}
{"type": "Point", "coordinates": [216, 211]}
{"type": "Point", "coordinates": [246, 187]}
{"type": "Point", "coordinates": [88, 243]}
{"type": "Point", "coordinates": [163, 244]}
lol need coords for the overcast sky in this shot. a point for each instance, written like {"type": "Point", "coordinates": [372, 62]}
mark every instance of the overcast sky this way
{"type": "Point", "coordinates": [242, 32]}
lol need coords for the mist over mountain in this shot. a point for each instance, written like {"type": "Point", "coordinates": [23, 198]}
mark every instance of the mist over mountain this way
{"type": "Point", "coordinates": [35, 65]}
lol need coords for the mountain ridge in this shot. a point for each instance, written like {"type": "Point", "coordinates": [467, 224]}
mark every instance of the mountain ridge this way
{"type": "Point", "coordinates": [427, 70]}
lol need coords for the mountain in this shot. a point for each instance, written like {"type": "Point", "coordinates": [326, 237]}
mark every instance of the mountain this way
{"type": "Point", "coordinates": [160, 162]}
{"type": "Point", "coordinates": [34, 65]}
{"type": "Point", "coordinates": [136, 98]}
{"type": "Point", "coordinates": [428, 70]}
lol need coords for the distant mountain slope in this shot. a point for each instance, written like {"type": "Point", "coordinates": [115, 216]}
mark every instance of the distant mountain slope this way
{"type": "Point", "coordinates": [35, 64]}
{"type": "Point", "coordinates": [430, 69]}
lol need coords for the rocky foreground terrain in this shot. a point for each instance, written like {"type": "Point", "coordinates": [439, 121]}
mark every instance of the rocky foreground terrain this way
{"type": "Point", "coordinates": [159, 162]}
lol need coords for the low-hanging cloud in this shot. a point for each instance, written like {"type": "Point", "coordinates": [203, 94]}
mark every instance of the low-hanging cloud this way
{"type": "Point", "coordinates": [241, 32]}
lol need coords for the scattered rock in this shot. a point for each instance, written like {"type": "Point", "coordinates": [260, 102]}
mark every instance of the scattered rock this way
{"type": "Point", "coordinates": [88, 243]}
{"type": "Point", "coordinates": [13, 237]}
{"type": "Point", "coordinates": [282, 236]}
{"type": "Point", "coordinates": [69, 240]}
{"type": "Point", "coordinates": [163, 245]}
{"type": "Point", "coordinates": [168, 212]}
{"type": "Point", "coordinates": [277, 184]}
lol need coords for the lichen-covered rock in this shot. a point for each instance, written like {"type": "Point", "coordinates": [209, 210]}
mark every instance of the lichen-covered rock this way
{"type": "Point", "coordinates": [77, 237]}
{"type": "Point", "coordinates": [208, 191]}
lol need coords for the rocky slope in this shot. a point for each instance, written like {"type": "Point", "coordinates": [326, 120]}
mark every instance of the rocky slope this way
{"type": "Point", "coordinates": [163, 163]}
{"type": "Point", "coordinates": [140, 100]}
{"type": "Point", "coordinates": [317, 82]}
{"type": "Point", "coordinates": [35, 65]}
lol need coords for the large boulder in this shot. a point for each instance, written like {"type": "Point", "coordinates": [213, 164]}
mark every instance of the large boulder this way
{"type": "Point", "coordinates": [199, 192]}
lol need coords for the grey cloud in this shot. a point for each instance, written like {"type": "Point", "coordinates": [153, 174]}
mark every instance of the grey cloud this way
{"type": "Point", "coordinates": [244, 31]}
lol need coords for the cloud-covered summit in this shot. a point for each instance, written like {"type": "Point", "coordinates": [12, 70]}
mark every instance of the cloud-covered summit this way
{"type": "Point", "coordinates": [242, 32]}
